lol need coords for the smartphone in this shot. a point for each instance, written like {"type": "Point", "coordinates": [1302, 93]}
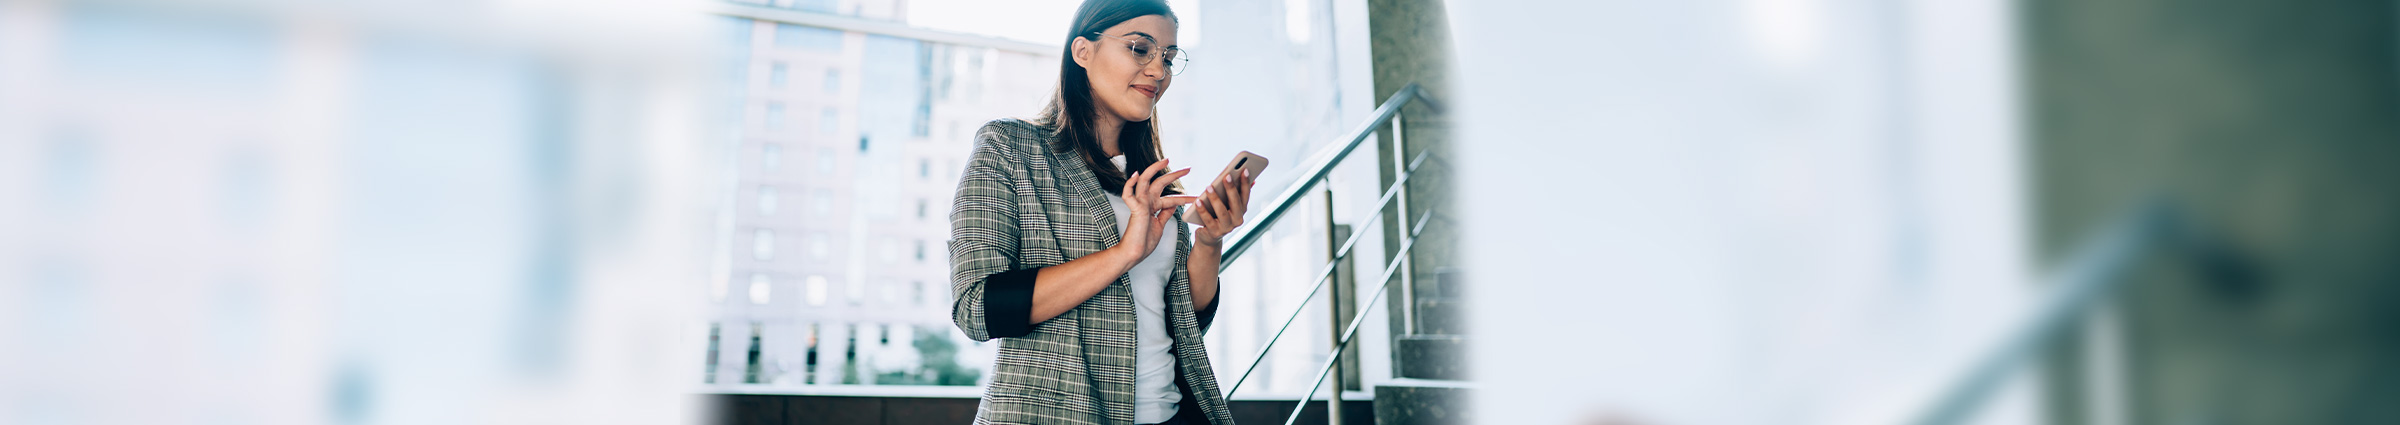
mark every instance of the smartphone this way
{"type": "Point", "coordinates": [1242, 161]}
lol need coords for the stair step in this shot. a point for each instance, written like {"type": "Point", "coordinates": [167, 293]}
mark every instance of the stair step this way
{"type": "Point", "coordinates": [1432, 356]}
{"type": "Point", "coordinates": [1422, 402]}
{"type": "Point", "coordinates": [1445, 316]}
{"type": "Point", "coordinates": [1452, 283]}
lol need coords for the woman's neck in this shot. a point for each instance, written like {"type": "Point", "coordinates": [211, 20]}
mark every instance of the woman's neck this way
{"type": "Point", "coordinates": [1105, 128]}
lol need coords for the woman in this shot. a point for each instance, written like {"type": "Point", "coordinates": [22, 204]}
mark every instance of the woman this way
{"type": "Point", "coordinates": [1061, 244]}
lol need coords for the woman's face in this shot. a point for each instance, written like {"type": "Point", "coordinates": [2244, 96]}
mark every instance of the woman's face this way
{"type": "Point", "coordinates": [1122, 86]}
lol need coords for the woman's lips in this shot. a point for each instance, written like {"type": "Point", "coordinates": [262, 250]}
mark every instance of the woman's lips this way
{"type": "Point", "coordinates": [1147, 90]}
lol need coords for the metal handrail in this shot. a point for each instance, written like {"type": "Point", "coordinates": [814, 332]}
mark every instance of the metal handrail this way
{"type": "Point", "coordinates": [1326, 275]}
{"type": "Point", "coordinates": [1319, 166]}
{"type": "Point", "coordinates": [1406, 243]}
{"type": "Point", "coordinates": [2091, 273]}
{"type": "Point", "coordinates": [1322, 164]}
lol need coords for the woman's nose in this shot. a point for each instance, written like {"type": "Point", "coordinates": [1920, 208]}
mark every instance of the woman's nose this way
{"type": "Point", "coordinates": [1156, 69]}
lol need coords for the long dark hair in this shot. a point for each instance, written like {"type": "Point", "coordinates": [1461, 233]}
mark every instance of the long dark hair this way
{"type": "Point", "coordinates": [1070, 113]}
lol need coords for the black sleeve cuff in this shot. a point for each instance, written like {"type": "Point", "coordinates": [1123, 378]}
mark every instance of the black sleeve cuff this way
{"type": "Point", "coordinates": [1209, 314]}
{"type": "Point", "coordinates": [1008, 303]}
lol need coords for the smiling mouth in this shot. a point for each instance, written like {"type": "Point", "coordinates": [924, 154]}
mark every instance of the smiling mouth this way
{"type": "Point", "coordinates": [1146, 91]}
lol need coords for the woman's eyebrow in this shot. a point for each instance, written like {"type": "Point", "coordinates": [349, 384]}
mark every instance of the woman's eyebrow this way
{"type": "Point", "coordinates": [1153, 40]}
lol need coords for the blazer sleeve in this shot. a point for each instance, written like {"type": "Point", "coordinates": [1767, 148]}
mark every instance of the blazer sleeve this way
{"type": "Point", "coordinates": [989, 298]}
{"type": "Point", "coordinates": [1208, 315]}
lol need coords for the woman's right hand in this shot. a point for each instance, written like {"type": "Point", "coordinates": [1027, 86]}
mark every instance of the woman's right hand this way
{"type": "Point", "coordinates": [1147, 211]}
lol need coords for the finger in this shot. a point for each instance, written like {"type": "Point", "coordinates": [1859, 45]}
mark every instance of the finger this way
{"type": "Point", "coordinates": [1141, 183]}
{"type": "Point", "coordinates": [1217, 188]}
{"type": "Point", "coordinates": [1230, 213]}
{"type": "Point", "coordinates": [1241, 192]}
{"type": "Point", "coordinates": [1158, 223]}
{"type": "Point", "coordinates": [1148, 177]}
{"type": "Point", "coordinates": [1172, 201]}
{"type": "Point", "coordinates": [1156, 167]}
{"type": "Point", "coordinates": [1163, 178]}
{"type": "Point", "coordinates": [1237, 195]}
{"type": "Point", "coordinates": [1229, 187]}
{"type": "Point", "coordinates": [1201, 213]}
{"type": "Point", "coordinates": [1222, 209]}
{"type": "Point", "coordinates": [1224, 196]}
{"type": "Point", "coordinates": [1211, 201]}
{"type": "Point", "coordinates": [1159, 185]}
{"type": "Point", "coordinates": [1133, 185]}
{"type": "Point", "coordinates": [1248, 181]}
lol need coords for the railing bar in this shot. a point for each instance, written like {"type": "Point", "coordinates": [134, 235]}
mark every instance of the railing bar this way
{"type": "Point", "coordinates": [1327, 274]}
{"type": "Point", "coordinates": [1405, 244]}
{"type": "Point", "coordinates": [1287, 325]}
{"type": "Point", "coordinates": [1248, 236]}
{"type": "Point", "coordinates": [2092, 272]}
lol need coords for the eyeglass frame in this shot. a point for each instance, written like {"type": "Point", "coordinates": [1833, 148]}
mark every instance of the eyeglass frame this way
{"type": "Point", "coordinates": [1145, 60]}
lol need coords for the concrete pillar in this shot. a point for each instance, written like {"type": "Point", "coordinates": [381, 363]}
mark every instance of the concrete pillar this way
{"type": "Point", "coordinates": [2277, 126]}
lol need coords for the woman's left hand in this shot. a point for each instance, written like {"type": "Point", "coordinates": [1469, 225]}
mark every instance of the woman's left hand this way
{"type": "Point", "coordinates": [1220, 208]}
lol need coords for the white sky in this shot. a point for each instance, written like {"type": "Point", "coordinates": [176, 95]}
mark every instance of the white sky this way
{"type": "Point", "coordinates": [1038, 21]}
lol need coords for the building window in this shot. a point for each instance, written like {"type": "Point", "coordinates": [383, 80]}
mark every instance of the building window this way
{"type": "Point", "coordinates": [762, 245]}
{"type": "Point", "coordinates": [920, 250]}
{"type": "Point", "coordinates": [766, 200]}
{"type": "Point", "coordinates": [925, 168]}
{"type": "Point", "coordinates": [774, 118]}
{"type": "Point", "coordinates": [770, 156]}
{"type": "Point", "coordinates": [823, 204]}
{"type": "Point", "coordinates": [830, 120]}
{"type": "Point", "coordinates": [833, 81]}
{"type": "Point", "coordinates": [816, 245]}
{"type": "Point", "coordinates": [777, 75]}
{"type": "Point", "coordinates": [921, 206]}
{"type": "Point", "coordinates": [760, 288]}
{"type": "Point", "coordinates": [816, 290]}
{"type": "Point", "coordinates": [919, 296]}
{"type": "Point", "coordinates": [825, 161]}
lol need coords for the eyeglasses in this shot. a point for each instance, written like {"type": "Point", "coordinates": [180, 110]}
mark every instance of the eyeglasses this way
{"type": "Point", "coordinates": [1146, 51]}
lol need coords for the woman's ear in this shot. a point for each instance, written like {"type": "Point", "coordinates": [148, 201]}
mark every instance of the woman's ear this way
{"type": "Point", "coordinates": [1082, 49]}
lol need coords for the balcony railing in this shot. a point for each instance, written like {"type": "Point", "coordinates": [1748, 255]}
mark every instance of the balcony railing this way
{"type": "Point", "coordinates": [1315, 173]}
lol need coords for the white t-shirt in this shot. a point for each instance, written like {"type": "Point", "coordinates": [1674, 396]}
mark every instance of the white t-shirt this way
{"type": "Point", "coordinates": [1154, 394]}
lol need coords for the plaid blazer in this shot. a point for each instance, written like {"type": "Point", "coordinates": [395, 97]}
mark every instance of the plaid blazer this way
{"type": "Point", "coordinates": [1028, 201]}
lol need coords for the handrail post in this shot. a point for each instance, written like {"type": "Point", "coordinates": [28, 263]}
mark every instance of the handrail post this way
{"type": "Point", "coordinates": [1333, 303]}
{"type": "Point", "coordinates": [1408, 270]}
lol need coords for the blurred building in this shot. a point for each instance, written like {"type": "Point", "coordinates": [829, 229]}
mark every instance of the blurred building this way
{"type": "Point", "coordinates": [852, 131]}
{"type": "Point", "coordinates": [247, 212]}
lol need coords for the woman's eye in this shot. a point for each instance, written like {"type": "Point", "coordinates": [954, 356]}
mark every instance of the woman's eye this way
{"type": "Point", "coordinates": [1141, 50]}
